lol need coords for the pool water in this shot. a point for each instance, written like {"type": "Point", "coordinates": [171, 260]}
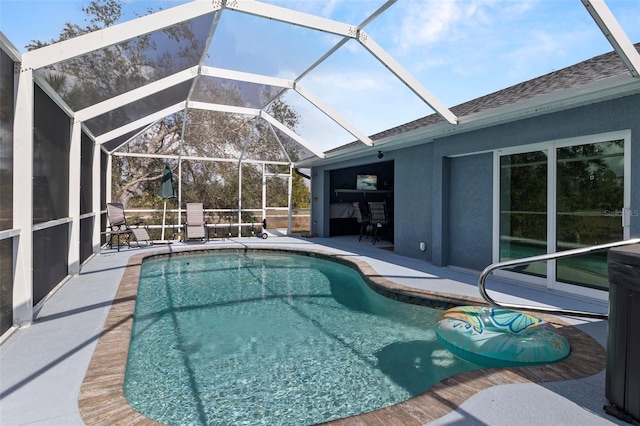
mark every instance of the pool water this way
{"type": "Point", "coordinates": [268, 338]}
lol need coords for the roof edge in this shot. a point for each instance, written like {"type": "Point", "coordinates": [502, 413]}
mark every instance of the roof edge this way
{"type": "Point", "coordinates": [598, 91]}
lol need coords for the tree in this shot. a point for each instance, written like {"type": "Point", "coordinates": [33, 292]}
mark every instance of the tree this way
{"type": "Point", "coordinates": [204, 134]}
{"type": "Point", "coordinates": [121, 68]}
{"type": "Point", "coordinates": [300, 197]}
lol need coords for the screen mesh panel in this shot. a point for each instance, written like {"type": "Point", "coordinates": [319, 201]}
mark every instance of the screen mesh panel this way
{"type": "Point", "coordinates": [6, 284]}
{"type": "Point", "coordinates": [104, 157]}
{"type": "Point", "coordinates": [115, 143]}
{"type": "Point", "coordinates": [51, 141]}
{"type": "Point", "coordinates": [139, 109]}
{"type": "Point", "coordinates": [112, 71]}
{"type": "Point", "coordinates": [232, 92]}
{"type": "Point", "coordinates": [6, 141]}
{"type": "Point", "coordinates": [50, 257]}
{"type": "Point", "coordinates": [86, 174]}
{"type": "Point", "coordinates": [86, 235]}
{"type": "Point", "coordinates": [234, 47]}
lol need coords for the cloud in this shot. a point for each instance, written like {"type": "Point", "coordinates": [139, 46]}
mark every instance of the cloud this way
{"type": "Point", "coordinates": [329, 7]}
{"type": "Point", "coordinates": [427, 22]}
{"type": "Point", "coordinates": [543, 44]}
{"type": "Point", "coordinates": [339, 80]}
{"type": "Point", "coordinates": [488, 39]}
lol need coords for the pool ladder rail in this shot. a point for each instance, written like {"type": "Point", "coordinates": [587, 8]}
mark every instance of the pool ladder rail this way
{"type": "Point", "coordinates": [550, 256]}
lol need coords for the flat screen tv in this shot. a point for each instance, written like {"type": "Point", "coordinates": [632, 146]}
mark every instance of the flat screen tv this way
{"type": "Point", "coordinates": [369, 182]}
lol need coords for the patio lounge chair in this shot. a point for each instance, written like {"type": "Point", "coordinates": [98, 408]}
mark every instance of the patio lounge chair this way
{"type": "Point", "coordinates": [363, 220]}
{"type": "Point", "coordinates": [196, 226]}
{"type": "Point", "coordinates": [379, 220]}
{"type": "Point", "coordinates": [118, 226]}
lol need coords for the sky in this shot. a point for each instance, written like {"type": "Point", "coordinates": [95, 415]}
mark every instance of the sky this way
{"type": "Point", "coordinates": [457, 49]}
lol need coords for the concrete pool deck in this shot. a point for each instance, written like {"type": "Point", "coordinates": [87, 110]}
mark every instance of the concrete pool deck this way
{"type": "Point", "coordinates": [43, 367]}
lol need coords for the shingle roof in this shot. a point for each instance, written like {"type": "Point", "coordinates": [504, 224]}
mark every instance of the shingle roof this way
{"type": "Point", "coordinates": [589, 71]}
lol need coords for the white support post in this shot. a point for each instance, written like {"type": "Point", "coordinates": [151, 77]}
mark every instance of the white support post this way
{"type": "Point", "coordinates": [96, 208]}
{"type": "Point", "coordinates": [108, 179]}
{"type": "Point", "coordinates": [239, 199]}
{"type": "Point", "coordinates": [23, 200]}
{"type": "Point", "coordinates": [290, 201]}
{"type": "Point", "coordinates": [179, 216]}
{"type": "Point", "coordinates": [73, 262]}
{"type": "Point", "coordinates": [264, 193]}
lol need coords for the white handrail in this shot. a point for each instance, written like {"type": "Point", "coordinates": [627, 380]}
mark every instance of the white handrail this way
{"type": "Point", "coordinates": [543, 257]}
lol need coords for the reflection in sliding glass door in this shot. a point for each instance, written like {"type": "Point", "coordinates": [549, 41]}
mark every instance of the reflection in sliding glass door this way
{"type": "Point", "coordinates": [523, 209]}
{"type": "Point", "coordinates": [590, 200]}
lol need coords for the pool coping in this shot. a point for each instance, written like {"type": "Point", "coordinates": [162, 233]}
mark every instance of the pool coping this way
{"type": "Point", "coordinates": [101, 398]}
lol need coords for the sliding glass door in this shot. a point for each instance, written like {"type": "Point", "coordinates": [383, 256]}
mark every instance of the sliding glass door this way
{"type": "Point", "coordinates": [589, 200]}
{"type": "Point", "coordinates": [523, 209]}
{"type": "Point", "coordinates": [560, 196]}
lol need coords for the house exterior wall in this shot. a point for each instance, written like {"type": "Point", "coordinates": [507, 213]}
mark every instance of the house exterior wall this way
{"type": "Point", "coordinates": [413, 195]}
{"type": "Point", "coordinates": [470, 211]}
{"type": "Point", "coordinates": [443, 190]}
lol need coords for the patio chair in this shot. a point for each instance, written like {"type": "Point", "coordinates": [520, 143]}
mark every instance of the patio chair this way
{"type": "Point", "coordinates": [195, 227]}
{"type": "Point", "coordinates": [118, 226]}
{"type": "Point", "coordinates": [363, 220]}
{"type": "Point", "coordinates": [379, 220]}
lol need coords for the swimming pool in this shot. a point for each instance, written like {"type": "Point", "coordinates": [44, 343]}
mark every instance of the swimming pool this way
{"type": "Point", "coordinates": [272, 338]}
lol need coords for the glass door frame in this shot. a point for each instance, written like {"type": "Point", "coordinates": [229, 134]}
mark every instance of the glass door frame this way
{"type": "Point", "coordinates": [551, 147]}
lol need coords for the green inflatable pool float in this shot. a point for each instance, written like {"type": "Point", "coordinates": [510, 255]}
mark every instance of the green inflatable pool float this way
{"type": "Point", "coordinates": [495, 337]}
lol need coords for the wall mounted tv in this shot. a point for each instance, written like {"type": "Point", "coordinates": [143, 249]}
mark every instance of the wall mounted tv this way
{"type": "Point", "coordinates": [367, 182]}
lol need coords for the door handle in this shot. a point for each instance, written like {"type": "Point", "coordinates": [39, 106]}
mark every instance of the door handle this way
{"type": "Point", "coordinates": [626, 217]}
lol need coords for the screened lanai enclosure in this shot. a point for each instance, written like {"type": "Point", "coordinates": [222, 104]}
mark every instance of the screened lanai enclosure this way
{"type": "Point", "coordinates": [97, 115]}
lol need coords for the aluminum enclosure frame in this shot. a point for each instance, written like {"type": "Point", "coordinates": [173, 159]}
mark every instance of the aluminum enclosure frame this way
{"type": "Point", "coordinates": [22, 232]}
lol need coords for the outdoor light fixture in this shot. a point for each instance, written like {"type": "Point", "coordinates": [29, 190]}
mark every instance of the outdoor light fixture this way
{"type": "Point", "coordinates": [380, 154]}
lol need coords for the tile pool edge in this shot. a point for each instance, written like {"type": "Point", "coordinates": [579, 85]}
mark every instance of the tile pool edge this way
{"type": "Point", "coordinates": [101, 398]}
